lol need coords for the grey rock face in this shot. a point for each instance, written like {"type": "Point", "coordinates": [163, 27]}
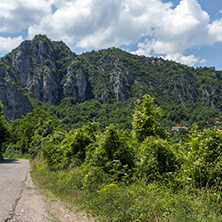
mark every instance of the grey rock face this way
{"type": "Point", "coordinates": [33, 66]}
{"type": "Point", "coordinates": [76, 84]}
{"type": "Point", "coordinates": [15, 104]}
{"type": "Point", "coordinates": [50, 88]}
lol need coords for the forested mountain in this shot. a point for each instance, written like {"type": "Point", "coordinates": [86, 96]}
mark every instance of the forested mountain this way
{"type": "Point", "coordinates": [47, 71]}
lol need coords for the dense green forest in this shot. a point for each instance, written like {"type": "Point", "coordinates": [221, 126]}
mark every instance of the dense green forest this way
{"type": "Point", "coordinates": [129, 173]}
{"type": "Point", "coordinates": [72, 114]}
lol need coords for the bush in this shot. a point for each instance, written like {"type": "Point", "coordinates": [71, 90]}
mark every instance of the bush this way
{"type": "Point", "coordinates": [52, 152]}
{"type": "Point", "coordinates": [12, 151]}
{"type": "Point", "coordinates": [146, 119]}
{"type": "Point", "coordinates": [94, 179]}
{"type": "Point", "coordinates": [203, 160]}
{"type": "Point", "coordinates": [76, 142]}
{"type": "Point", "coordinates": [35, 146]}
{"type": "Point", "coordinates": [111, 153]}
{"type": "Point", "coordinates": [68, 150]}
{"type": "Point", "coordinates": [155, 158]}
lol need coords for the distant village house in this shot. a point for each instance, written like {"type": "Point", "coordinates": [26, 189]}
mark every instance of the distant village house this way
{"type": "Point", "coordinates": [177, 128]}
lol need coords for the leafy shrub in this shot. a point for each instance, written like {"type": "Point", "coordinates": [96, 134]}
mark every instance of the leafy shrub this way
{"type": "Point", "coordinates": [37, 122]}
{"type": "Point", "coordinates": [146, 119]}
{"type": "Point", "coordinates": [52, 152]}
{"type": "Point", "coordinates": [203, 160]}
{"type": "Point", "coordinates": [35, 146]}
{"type": "Point", "coordinates": [111, 153]}
{"type": "Point", "coordinates": [94, 179]}
{"type": "Point", "coordinates": [76, 142]}
{"type": "Point", "coordinates": [63, 150]}
{"type": "Point", "coordinates": [155, 158]}
{"type": "Point", "coordinates": [12, 151]}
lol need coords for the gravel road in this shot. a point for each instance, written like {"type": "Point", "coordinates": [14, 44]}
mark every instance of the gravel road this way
{"type": "Point", "coordinates": [20, 200]}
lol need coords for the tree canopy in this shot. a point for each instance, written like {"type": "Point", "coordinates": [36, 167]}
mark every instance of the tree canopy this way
{"type": "Point", "coordinates": [4, 133]}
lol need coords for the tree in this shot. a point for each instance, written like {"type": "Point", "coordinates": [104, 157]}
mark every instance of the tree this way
{"type": "Point", "coordinates": [146, 119]}
{"type": "Point", "coordinates": [4, 133]}
{"type": "Point", "coordinates": [111, 153]}
{"type": "Point", "coordinates": [37, 122]}
{"type": "Point", "coordinates": [155, 158]}
{"type": "Point", "coordinates": [203, 162]}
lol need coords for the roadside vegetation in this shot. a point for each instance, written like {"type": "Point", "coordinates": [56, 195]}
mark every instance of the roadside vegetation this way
{"type": "Point", "coordinates": [116, 174]}
{"type": "Point", "coordinates": [4, 133]}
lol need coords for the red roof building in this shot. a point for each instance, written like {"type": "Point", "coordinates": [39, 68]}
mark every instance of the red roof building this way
{"type": "Point", "coordinates": [177, 128]}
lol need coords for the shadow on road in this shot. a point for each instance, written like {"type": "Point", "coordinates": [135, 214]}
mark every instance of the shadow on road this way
{"type": "Point", "coordinates": [8, 161]}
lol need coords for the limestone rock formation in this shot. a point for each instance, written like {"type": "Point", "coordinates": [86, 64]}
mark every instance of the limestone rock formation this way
{"type": "Point", "coordinates": [48, 71]}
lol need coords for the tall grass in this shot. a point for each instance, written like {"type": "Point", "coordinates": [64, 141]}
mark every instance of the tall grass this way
{"type": "Point", "coordinates": [138, 201]}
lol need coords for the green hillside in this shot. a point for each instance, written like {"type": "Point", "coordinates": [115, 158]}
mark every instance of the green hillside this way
{"type": "Point", "coordinates": [104, 85]}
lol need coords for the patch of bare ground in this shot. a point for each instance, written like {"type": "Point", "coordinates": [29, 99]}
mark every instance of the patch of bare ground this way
{"type": "Point", "coordinates": [63, 213]}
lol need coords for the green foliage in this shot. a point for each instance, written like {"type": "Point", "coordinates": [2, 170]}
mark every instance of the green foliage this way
{"type": "Point", "coordinates": [52, 152]}
{"type": "Point", "coordinates": [146, 119]}
{"type": "Point", "coordinates": [68, 150]}
{"type": "Point", "coordinates": [94, 178]}
{"type": "Point", "coordinates": [4, 132]}
{"type": "Point", "coordinates": [76, 143]}
{"type": "Point", "coordinates": [12, 151]}
{"type": "Point", "coordinates": [35, 145]}
{"type": "Point", "coordinates": [203, 161]}
{"type": "Point", "coordinates": [137, 201]}
{"type": "Point", "coordinates": [155, 159]}
{"type": "Point", "coordinates": [131, 175]}
{"type": "Point", "coordinates": [111, 153]}
{"type": "Point", "coordinates": [25, 132]}
{"type": "Point", "coordinates": [73, 115]}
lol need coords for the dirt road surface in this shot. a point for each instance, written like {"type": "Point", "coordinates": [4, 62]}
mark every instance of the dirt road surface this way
{"type": "Point", "coordinates": [20, 200]}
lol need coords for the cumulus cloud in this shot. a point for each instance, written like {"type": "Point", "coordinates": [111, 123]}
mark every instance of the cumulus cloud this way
{"type": "Point", "coordinates": [6, 44]}
{"type": "Point", "coordinates": [180, 29]}
{"type": "Point", "coordinates": [16, 15]}
{"type": "Point", "coordinates": [188, 60]}
{"type": "Point", "coordinates": [98, 23]}
{"type": "Point", "coordinates": [215, 30]}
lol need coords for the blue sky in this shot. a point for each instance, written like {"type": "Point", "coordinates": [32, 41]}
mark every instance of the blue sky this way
{"type": "Point", "coordinates": [186, 31]}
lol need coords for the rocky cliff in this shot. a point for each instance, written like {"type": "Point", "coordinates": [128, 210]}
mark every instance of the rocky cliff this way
{"type": "Point", "coordinates": [48, 71]}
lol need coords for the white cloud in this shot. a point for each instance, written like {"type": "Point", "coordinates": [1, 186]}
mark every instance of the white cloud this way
{"type": "Point", "coordinates": [180, 29]}
{"type": "Point", "coordinates": [188, 60]}
{"type": "Point", "coordinates": [202, 61]}
{"type": "Point", "coordinates": [98, 23]}
{"type": "Point", "coordinates": [16, 15]}
{"type": "Point", "coordinates": [7, 44]}
{"type": "Point", "coordinates": [215, 31]}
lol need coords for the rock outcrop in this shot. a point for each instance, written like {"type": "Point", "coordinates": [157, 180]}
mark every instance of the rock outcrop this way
{"type": "Point", "coordinates": [15, 103]}
{"type": "Point", "coordinates": [48, 71]}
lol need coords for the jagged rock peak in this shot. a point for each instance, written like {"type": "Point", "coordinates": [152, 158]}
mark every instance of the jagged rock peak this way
{"type": "Point", "coordinates": [37, 68]}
